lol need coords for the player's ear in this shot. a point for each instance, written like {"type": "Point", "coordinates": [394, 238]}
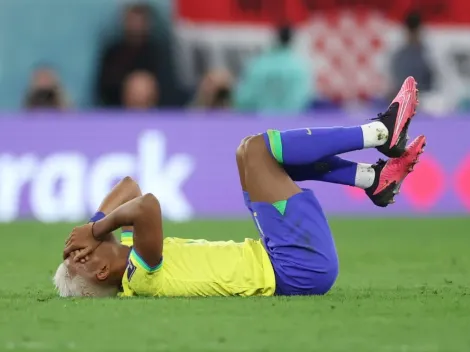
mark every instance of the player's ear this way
{"type": "Point", "coordinates": [103, 272]}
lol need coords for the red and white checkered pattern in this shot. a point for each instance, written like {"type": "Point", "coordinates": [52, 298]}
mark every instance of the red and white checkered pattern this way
{"type": "Point", "coordinates": [347, 48]}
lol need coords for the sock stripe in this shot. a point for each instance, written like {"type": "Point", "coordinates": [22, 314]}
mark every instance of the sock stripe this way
{"type": "Point", "coordinates": [275, 144]}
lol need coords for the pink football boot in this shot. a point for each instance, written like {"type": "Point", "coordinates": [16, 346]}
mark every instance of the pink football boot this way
{"type": "Point", "coordinates": [390, 175]}
{"type": "Point", "coordinates": [398, 117]}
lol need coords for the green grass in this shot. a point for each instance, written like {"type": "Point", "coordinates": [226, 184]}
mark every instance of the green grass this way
{"type": "Point", "coordinates": [403, 287]}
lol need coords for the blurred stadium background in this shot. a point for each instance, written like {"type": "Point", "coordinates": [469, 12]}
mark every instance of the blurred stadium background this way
{"type": "Point", "coordinates": [92, 91]}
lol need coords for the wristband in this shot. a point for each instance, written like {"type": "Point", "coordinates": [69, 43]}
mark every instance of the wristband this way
{"type": "Point", "coordinates": [98, 216]}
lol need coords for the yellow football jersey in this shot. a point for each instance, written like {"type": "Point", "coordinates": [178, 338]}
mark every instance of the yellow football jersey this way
{"type": "Point", "coordinates": [201, 268]}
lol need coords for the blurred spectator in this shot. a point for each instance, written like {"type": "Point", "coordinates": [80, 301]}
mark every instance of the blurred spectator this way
{"type": "Point", "coordinates": [465, 104]}
{"type": "Point", "coordinates": [135, 50]}
{"type": "Point", "coordinates": [214, 91]}
{"type": "Point", "coordinates": [140, 91]}
{"type": "Point", "coordinates": [411, 59]}
{"type": "Point", "coordinates": [45, 91]}
{"type": "Point", "coordinates": [278, 81]}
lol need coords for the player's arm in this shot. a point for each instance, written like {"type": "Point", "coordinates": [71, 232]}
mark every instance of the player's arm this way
{"type": "Point", "coordinates": [126, 190]}
{"type": "Point", "coordinates": [144, 214]}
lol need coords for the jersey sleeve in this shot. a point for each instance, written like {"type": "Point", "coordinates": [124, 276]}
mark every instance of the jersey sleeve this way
{"type": "Point", "coordinates": [139, 263]}
{"type": "Point", "coordinates": [140, 279]}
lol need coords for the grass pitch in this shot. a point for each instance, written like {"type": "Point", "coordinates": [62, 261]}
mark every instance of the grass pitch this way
{"type": "Point", "coordinates": [403, 287]}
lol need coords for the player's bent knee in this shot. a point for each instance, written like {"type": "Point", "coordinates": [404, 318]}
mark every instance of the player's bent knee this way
{"type": "Point", "coordinates": [246, 139]}
{"type": "Point", "coordinates": [255, 148]}
{"type": "Point", "coordinates": [240, 153]}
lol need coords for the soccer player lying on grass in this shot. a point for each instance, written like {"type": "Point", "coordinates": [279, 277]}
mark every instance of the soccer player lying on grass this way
{"type": "Point", "coordinates": [296, 254]}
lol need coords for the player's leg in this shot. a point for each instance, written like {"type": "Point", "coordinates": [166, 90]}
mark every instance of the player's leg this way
{"type": "Point", "coordinates": [334, 169]}
{"type": "Point", "coordinates": [305, 154]}
{"type": "Point", "coordinates": [388, 133]}
{"type": "Point", "coordinates": [241, 162]}
{"type": "Point", "coordinates": [291, 223]}
{"type": "Point", "coordinates": [289, 246]}
{"type": "Point", "coordinates": [309, 145]}
{"type": "Point", "coordinates": [264, 179]}
{"type": "Point", "coordinates": [330, 169]}
{"type": "Point", "coordinates": [381, 181]}
{"type": "Point", "coordinates": [240, 157]}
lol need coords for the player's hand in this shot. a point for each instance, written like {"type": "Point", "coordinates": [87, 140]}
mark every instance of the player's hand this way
{"type": "Point", "coordinates": [75, 253]}
{"type": "Point", "coordinates": [82, 240]}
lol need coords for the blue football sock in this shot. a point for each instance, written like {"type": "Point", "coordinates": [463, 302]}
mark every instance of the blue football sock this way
{"type": "Point", "coordinates": [331, 169]}
{"type": "Point", "coordinates": [308, 145]}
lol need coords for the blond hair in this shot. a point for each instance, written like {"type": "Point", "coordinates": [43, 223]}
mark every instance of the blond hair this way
{"type": "Point", "coordinates": [78, 286]}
